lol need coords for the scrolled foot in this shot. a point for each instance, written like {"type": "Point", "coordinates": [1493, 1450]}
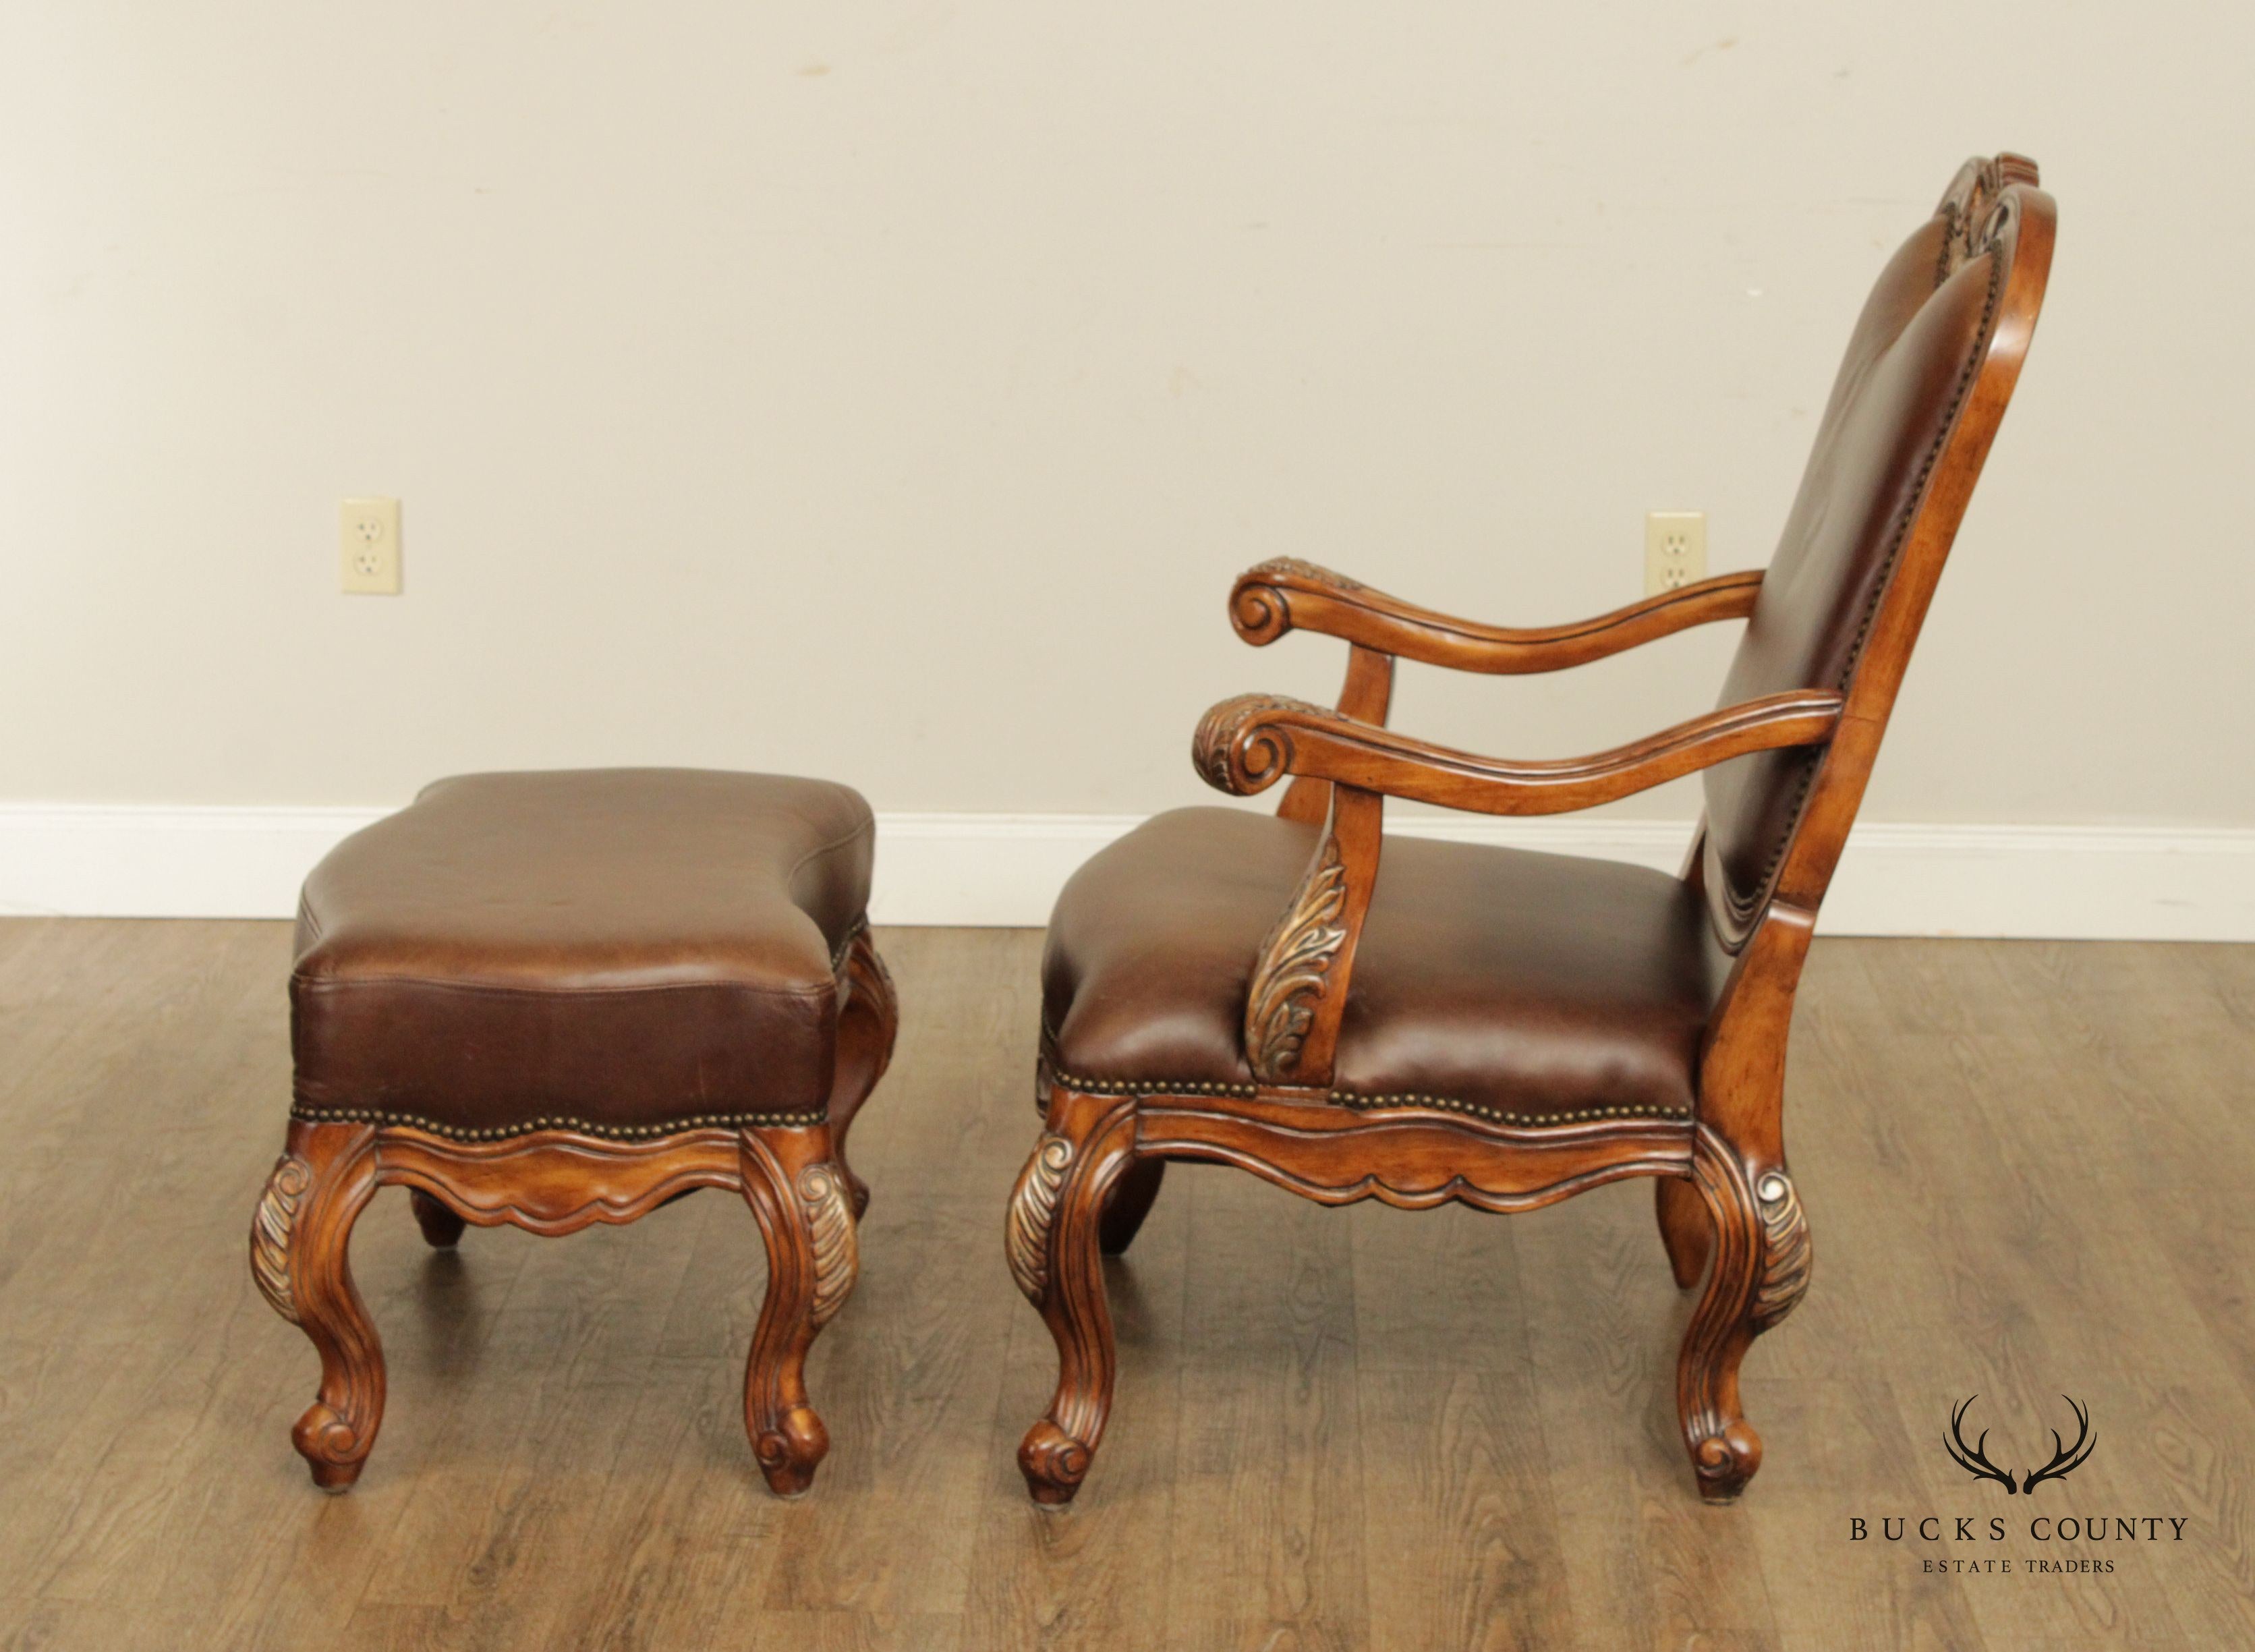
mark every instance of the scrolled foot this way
{"type": "Point", "coordinates": [790, 1452]}
{"type": "Point", "coordinates": [1726, 1461]}
{"type": "Point", "coordinates": [1054, 1463]}
{"type": "Point", "coordinates": [333, 1448]}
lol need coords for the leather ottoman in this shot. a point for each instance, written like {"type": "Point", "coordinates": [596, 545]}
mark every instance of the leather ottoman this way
{"type": "Point", "coordinates": [556, 999]}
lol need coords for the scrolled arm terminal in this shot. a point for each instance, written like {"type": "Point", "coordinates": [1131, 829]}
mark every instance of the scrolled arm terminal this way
{"type": "Point", "coordinates": [1244, 745]}
{"type": "Point", "coordinates": [1259, 605]}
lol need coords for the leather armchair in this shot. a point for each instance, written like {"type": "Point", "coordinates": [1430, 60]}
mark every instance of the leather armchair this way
{"type": "Point", "coordinates": [1420, 1022]}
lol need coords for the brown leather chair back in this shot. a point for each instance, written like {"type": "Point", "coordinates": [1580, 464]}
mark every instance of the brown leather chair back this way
{"type": "Point", "coordinates": [1912, 413]}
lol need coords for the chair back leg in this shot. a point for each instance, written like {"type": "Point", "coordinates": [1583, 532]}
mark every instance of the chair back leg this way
{"type": "Point", "coordinates": [1758, 1271]}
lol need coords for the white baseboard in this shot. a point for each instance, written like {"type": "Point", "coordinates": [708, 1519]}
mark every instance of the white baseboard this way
{"type": "Point", "coordinates": [2072, 882]}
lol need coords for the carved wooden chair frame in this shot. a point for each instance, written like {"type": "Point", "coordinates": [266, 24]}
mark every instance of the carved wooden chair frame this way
{"type": "Point", "coordinates": [558, 1178]}
{"type": "Point", "coordinates": [1728, 1206]}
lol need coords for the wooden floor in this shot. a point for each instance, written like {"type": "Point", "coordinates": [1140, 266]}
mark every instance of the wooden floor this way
{"type": "Point", "coordinates": [2027, 1169]}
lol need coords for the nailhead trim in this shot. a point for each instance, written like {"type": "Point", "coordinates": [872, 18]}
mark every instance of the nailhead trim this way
{"type": "Point", "coordinates": [1743, 909]}
{"type": "Point", "coordinates": [1361, 1102]}
{"type": "Point", "coordinates": [1450, 1104]}
{"type": "Point", "coordinates": [609, 1132]}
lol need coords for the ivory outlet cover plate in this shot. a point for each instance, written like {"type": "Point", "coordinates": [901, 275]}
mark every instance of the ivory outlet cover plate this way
{"type": "Point", "coordinates": [368, 535]}
{"type": "Point", "coordinates": [1675, 549]}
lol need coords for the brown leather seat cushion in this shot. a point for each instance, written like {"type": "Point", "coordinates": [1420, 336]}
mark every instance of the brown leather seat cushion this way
{"type": "Point", "coordinates": [615, 949]}
{"type": "Point", "coordinates": [1532, 986]}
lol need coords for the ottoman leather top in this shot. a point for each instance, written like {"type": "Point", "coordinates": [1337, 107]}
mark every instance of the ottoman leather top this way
{"type": "Point", "coordinates": [621, 951]}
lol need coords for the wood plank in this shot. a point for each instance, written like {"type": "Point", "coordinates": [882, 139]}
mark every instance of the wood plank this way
{"type": "Point", "coordinates": [2024, 1163]}
{"type": "Point", "coordinates": [1456, 1472]}
{"type": "Point", "coordinates": [1266, 1545]}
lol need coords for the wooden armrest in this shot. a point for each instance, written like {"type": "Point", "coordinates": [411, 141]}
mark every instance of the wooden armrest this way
{"type": "Point", "coordinates": [1243, 745]}
{"type": "Point", "coordinates": [1286, 593]}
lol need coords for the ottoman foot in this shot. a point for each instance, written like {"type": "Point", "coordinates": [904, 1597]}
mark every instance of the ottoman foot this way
{"type": "Point", "coordinates": [803, 1200]}
{"type": "Point", "coordinates": [298, 1244]}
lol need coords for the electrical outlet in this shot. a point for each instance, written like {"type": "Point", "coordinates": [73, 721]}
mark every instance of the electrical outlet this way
{"type": "Point", "coordinates": [369, 546]}
{"type": "Point", "coordinates": [1675, 549]}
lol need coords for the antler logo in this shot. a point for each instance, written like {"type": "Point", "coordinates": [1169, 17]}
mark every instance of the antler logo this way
{"type": "Point", "coordinates": [2064, 1461]}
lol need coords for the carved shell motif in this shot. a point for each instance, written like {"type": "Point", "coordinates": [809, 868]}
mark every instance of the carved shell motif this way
{"type": "Point", "coordinates": [269, 1231]}
{"type": "Point", "coordinates": [1785, 1253]}
{"type": "Point", "coordinates": [1033, 1207]}
{"type": "Point", "coordinates": [837, 1250]}
{"type": "Point", "coordinates": [1294, 967]}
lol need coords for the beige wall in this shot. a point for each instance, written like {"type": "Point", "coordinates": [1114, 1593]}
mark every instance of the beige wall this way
{"type": "Point", "coordinates": [891, 391]}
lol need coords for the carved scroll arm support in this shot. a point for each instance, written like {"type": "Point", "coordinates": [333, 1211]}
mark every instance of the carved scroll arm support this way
{"type": "Point", "coordinates": [1298, 992]}
{"type": "Point", "coordinates": [1244, 745]}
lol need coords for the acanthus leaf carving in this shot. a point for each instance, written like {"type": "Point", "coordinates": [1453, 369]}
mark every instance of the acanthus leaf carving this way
{"type": "Point", "coordinates": [1033, 1208]}
{"type": "Point", "coordinates": [1295, 966]}
{"type": "Point", "coordinates": [1786, 1251]}
{"type": "Point", "coordinates": [1299, 568]}
{"type": "Point", "coordinates": [269, 1231]}
{"type": "Point", "coordinates": [835, 1247]}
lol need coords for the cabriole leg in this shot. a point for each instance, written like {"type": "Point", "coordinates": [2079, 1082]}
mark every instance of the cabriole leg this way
{"type": "Point", "coordinates": [1052, 1240]}
{"type": "Point", "coordinates": [1133, 1195]}
{"type": "Point", "coordinates": [866, 1029]}
{"type": "Point", "coordinates": [299, 1240]}
{"type": "Point", "coordinates": [1760, 1269]}
{"type": "Point", "coordinates": [803, 1205]}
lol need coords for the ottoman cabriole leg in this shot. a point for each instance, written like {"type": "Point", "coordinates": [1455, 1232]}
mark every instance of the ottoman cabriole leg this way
{"type": "Point", "coordinates": [299, 1244]}
{"type": "Point", "coordinates": [551, 1183]}
{"type": "Point", "coordinates": [866, 1027]}
{"type": "Point", "coordinates": [804, 1202]}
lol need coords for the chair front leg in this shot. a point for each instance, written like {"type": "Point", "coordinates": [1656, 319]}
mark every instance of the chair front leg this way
{"type": "Point", "coordinates": [1052, 1239]}
{"type": "Point", "coordinates": [803, 1202]}
{"type": "Point", "coordinates": [299, 1243]}
{"type": "Point", "coordinates": [1759, 1268]}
